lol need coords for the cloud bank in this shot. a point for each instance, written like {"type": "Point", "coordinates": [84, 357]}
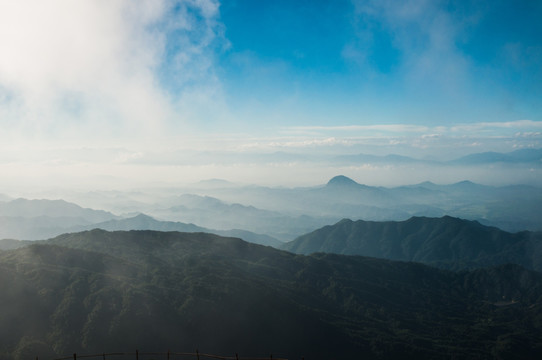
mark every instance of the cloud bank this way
{"type": "Point", "coordinates": [98, 67]}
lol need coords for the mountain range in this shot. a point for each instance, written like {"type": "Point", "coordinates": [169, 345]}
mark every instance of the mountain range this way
{"type": "Point", "coordinates": [145, 222]}
{"type": "Point", "coordinates": [276, 213]}
{"type": "Point", "coordinates": [521, 156]}
{"type": "Point", "coordinates": [444, 242]}
{"type": "Point", "coordinates": [533, 156]}
{"type": "Point", "coordinates": [299, 210]}
{"type": "Point", "coordinates": [99, 291]}
{"type": "Point", "coordinates": [43, 219]}
{"type": "Point", "coordinates": [52, 208]}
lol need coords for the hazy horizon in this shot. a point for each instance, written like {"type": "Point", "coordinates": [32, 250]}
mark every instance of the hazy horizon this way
{"type": "Point", "coordinates": [129, 94]}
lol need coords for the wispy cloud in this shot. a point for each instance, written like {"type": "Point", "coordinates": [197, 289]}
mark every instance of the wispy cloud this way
{"type": "Point", "coordinates": [391, 128]}
{"type": "Point", "coordinates": [498, 126]}
{"type": "Point", "coordinates": [96, 67]}
{"type": "Point", "coordinates": [407, 129]}
{"type": "Point", "coordinates": [425, 36]}
{"type": "Point", "coordinates": [411, 139]}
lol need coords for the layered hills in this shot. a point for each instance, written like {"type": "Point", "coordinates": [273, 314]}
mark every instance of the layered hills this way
{"type": "Point", "coordinates": [25, 219]}
{"type": "Point", "coordinates": [39, 219]}
{"type": "Point", "coordinates": [445, 242]}
{"type": "Point", "coordinates": [52, 208]}
{"type": "Point", "coordinates": [99, 291]}
{"type": "Point", "coordinates": [145, 222]}
{"type": "Point", "coordinates": [286, 213]}
{"type": "Point", "coordinates": [265, 214]}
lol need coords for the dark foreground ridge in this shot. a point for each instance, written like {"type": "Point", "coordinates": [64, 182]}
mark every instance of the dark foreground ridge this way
{"type": "Point", "coordinates": [99, 291]}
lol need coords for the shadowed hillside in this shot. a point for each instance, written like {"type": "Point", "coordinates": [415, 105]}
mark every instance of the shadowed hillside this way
{"type": "Point", "coordinates": [446, 242]}
{"type": "Point", "coordinates": [99, 291]}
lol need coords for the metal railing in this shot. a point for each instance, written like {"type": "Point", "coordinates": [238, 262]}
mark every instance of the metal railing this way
{"type": "Point", "coordinates": [137, 355]}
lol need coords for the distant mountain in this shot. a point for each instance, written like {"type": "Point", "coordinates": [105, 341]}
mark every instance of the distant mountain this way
{"type": "Point", "coordinates": [145, 222]}
{"type": "Point", "coordinates": [36, 228]}
{"type": "Point", "coordinates": [526, 155]}
{"type": "Point", "coordinates": [41, 219]}
{"type": "Point", "coordinates": [518, 156]}
{"type": "Point", "coordinates": [98, 291]}
{"type": "Point", "coordinates": [52, 208]}
{"type": "Point", "coordinates": [285, 213]}
{"type": "Point", "coordinates": [342, 181]}
{"type": "Point", "coordinates": [446, 242]}
{"type": "Point", "coordinates": [376, 159]}
{"type": "Point", "coordinates": [512, 208]}
{"type": "Point", "coordinates": [213, 213]}
{"type": "Point", "coordinates": [345, 191]}
{"type": "Point", "coordinates": [481, 158]}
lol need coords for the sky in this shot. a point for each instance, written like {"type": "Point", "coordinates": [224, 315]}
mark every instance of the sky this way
{"type": "Point", "coordinates": [112, 94]}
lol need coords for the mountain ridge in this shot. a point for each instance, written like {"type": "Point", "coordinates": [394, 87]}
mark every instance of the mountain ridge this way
{"type": "Point", "coordinates": [478, 158]}
{"type": "Point", "coordinates": [447, 242]}
{"type": "Point", "coordinates": [94, 291]}
{"type": "Point", "coordinates": [146, 222]}
{"type": "Point", "coordinates": [52, 208]}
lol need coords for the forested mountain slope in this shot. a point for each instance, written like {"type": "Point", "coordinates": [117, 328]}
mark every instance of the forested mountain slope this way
{"type": "Point", "coordinates": [99, 291]}
{"type": "Point", "coordinates": [446, 242]}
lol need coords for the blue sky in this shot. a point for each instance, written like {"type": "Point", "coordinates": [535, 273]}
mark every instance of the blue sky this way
{"type": "Point", "coordinates": [129, 80]}
{"type": "Point", "coordinates": [427, 63]}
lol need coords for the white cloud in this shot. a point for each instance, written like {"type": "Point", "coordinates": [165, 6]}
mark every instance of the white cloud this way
{"type": "Point", "coordinates": [91, 69]}
{"type": "Point", "coordinates": [413, 140]}
{"type": "Point", "coordinates": [388, 128]}
{"type": "Point", "coordinates": [425, 35]}
{"type": "Point", "coordinates": [509, 127]}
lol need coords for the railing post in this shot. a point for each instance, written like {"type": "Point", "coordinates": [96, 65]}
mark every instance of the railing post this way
{"type": "Point", "coordinates": [137, 354]}
{"type": "Point", "coordinates": [236, 356]}
{"type": "Point", "coordinates": [74, 356]}
{"type": "Point", "coordinates": [168, 355]}
{"type": "Point", "coordinates": [103, 355]}
{"type": "Point", "coordinates": [197, 354]}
